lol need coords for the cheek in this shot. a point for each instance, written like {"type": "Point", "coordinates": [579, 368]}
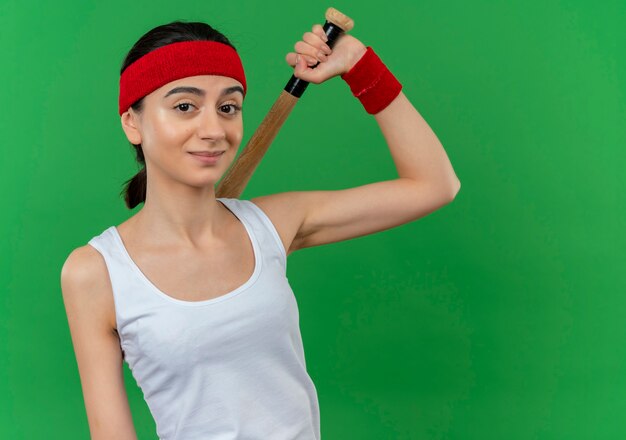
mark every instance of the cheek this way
{"type": "Point", "coordinates": [237, 133]}
{"type": "Point", "coordinates": [167, 131]}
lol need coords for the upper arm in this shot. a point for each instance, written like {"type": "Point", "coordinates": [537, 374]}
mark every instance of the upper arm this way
{"type": "Point", "coordinates": [87, 296]}
{"type": "Point", "coordinates": [313, 218]}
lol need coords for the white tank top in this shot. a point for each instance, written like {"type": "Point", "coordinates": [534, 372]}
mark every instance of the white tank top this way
{"type": "Point", "coordinates": [230, 367]}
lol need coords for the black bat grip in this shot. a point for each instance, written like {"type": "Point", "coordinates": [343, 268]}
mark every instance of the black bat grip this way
{"type": "Point", "coordinates": [296, 86]}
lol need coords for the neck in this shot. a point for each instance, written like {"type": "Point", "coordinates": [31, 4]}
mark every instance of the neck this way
{"type": "Point", "coordinates": [184, 213]}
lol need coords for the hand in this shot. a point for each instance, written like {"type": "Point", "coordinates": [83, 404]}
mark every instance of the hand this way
{"type": "Point", "coordinates": [346, 51]}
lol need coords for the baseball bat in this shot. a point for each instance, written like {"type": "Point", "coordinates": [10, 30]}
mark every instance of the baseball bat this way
{"type": "Point", "coordinates": [236, 178]}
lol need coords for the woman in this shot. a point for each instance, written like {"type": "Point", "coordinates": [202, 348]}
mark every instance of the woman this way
{"type": "Point", "coordinates": [191, 290]}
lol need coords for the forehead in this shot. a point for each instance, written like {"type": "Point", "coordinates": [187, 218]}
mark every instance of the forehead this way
{"type": "Point", "coordinates": [202, 85]}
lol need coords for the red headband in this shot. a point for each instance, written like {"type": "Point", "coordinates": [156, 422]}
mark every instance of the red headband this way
{"type": "Point", "coordinates": [174, 61]}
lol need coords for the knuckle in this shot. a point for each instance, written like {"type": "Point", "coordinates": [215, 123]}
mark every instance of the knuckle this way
{"type": "Point", "coordinates": [309, 37]}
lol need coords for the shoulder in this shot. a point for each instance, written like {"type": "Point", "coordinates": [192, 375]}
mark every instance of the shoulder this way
{"type": "Point", "coordinates": [82, 266]}
{"type": "Point", "coordinates": [85, 283]}
{"type": "Point", "coordinates": [287, 211]}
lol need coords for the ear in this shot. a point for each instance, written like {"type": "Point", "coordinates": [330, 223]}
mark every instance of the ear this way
{"type": "Point", "coordinates": [130, 125]}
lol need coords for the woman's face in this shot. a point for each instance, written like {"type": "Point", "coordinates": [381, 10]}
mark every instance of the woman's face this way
{"type": "Point", "coordinates": [194, 114]}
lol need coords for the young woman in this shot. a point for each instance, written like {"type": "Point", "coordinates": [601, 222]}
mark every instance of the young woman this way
{"type": "Point", "coordinates": [191, 290]}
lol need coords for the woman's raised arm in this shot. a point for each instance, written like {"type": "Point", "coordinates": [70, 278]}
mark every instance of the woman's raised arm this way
{"type": "Point", "coordinates": [426, 179]}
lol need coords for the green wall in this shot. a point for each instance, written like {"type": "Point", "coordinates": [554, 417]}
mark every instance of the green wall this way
{"type": "Point", "coordinates": [500, 316]}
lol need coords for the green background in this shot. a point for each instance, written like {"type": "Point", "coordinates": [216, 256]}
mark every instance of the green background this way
{"type": "Point", "coordinates": [499, 316]}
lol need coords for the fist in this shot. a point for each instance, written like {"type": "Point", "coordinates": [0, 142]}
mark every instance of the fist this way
{"type": "Point", "coordinates": [312, 49]}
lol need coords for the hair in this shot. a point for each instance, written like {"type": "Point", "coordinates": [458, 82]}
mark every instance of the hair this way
{"type": "Point", "coordinates": [135, 188]}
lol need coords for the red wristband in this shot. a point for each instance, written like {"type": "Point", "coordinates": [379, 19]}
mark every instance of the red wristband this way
{"type": "Point", "coordinates": [372, 82]}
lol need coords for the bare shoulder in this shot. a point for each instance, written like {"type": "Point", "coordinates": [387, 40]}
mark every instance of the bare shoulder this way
{"type": "Point", "coordinates": [287, 211]}
{"type": "Point", "coordinates": [86, 285]}
{"type": "Point", "coordinates": [88, 302]}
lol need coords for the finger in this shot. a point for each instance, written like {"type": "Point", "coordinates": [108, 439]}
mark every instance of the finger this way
{"type": "Point", "coordinates": [316, 41]}
{"type": "Point", "coordinates": [310, 61]}
{"type": "Point", "coordinates": [301, 65]}
{"type": "Point", "coordinates": [311, 53]}
{"type": "Point", "coordinates": [305, 72]}
{"type": "Point", "coordinates": [291, 59]}
{"type": "Point", "coordinates": [319, 30]}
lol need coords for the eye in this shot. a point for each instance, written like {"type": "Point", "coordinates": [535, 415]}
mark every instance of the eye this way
{"type": "Point", "coordinates": [227, 107]}
{"type": "Point", "coordinates": [184, 105]}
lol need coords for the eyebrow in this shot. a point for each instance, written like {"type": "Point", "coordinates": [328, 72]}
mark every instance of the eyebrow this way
{"type": "Point", "coordinates": [201, 92]}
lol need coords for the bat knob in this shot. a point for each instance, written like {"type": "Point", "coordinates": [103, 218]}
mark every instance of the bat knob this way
{"type": "Point", "coordinates": [336, 24]}
{"type": "Point", "coordinates": [339, 19]}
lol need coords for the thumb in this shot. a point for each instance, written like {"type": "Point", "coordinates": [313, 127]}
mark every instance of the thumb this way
{"type": "Point", "coordinates": [300, 64]}
{"type": "Point", "coordinates": [302, 69]}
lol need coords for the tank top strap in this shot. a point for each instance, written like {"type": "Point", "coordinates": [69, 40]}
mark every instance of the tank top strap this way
{"type": "Point", "coordinates": [271, 245]}
{"type": "Point", "coordinates": [126, 286]}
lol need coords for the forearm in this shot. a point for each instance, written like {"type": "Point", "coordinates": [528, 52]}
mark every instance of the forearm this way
{"type": "Point", "coordinates": [416, 151]}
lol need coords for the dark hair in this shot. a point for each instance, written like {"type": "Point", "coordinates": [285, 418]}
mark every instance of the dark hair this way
{"type": "Point", "coordinates": [135, 188]}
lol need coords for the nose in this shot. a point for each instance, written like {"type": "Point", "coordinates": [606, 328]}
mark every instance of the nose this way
{"type": "Point", "coordinates": [211, 127]}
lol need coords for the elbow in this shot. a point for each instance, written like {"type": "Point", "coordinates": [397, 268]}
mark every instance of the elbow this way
{"type": "Point", "coordinates": [455, 190]}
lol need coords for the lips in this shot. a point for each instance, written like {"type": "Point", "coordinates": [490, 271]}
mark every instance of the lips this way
{"type": "Point", "coordinates": [207, 153]}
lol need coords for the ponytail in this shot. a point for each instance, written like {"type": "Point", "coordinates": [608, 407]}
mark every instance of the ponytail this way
{"type": "Point", "coordinates": [135, 187]}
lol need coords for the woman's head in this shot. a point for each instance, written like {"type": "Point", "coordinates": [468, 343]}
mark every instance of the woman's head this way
{"type": "Point", "coordinates": [190, 93]}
